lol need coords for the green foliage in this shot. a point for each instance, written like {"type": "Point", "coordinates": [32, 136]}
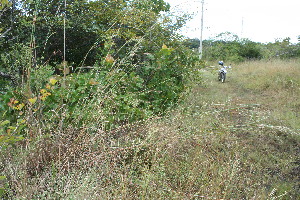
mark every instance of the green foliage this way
{"type": "Point", "coordinates": [282, 49]}
{"type": "Point", "coordinates": [166, 75]}
{"type": "Point", "coordinates": [153, 5]}
{"type": "Point", "coordinates": [128, 66]}
{"type": "Point", "coordinates": [10, 132]}
{"type": "Point", "coordinates": [87, 23]}
{"type": "Point", "coordinates": [117, 96]}
{"type": "Point", "coordinates": [82, 129]}
{"type": "Point", "coordinates": [16, 61]}
{"type": "Point", "coordinates": [250, 50]}
{"type": "Point", "coordinates": [230, 48]}
{"type": "Point", "coordinates": [192, 43]}
{"type": "Point", "coordinates": [3, 186]}
{"type": "Point", "coordinates": [213, 145]}
{"type": "Point", "coordinates": [116, 88]}
{"type": "Point", "coordinates": [4, 3]}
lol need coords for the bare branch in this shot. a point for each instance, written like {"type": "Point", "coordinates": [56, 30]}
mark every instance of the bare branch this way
{"type": "Point", "coordinates": [3, 34]}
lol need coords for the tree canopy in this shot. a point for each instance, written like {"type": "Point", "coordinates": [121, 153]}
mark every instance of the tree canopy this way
{"type": "Point", "coordinates": [122, 53]}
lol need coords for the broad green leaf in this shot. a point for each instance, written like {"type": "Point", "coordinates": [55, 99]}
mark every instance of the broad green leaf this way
{"type": "Point", "coordinates": [3, 123]}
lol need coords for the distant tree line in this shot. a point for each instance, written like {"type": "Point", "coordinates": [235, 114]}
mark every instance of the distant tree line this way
{"type": "Point", "coordinates": [228, 47]}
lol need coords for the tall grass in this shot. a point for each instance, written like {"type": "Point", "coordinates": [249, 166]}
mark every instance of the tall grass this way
{"type": "Point", "coordinates": [277, 83]}
{"type": "Point", "coordinates": [278, 75]}
{"type": "Point", "coordinates": [226, 141]}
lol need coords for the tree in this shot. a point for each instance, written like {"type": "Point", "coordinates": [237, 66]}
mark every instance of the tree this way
{"type": "Point", "coordinates": [127, 29]}
{"type": "Point", "coordinates": [192, 43]}
{"type": "Point", "coordinates": [5, 5]}
{"type": "Point", "coordinates": [155, 6]}
{"type": "Point", "coordinates": [250, 50]}
{"type": "Point", "coordinates": [135, 58]}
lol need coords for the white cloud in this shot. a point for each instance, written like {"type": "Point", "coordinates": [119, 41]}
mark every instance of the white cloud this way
{"type": "Point", "coordinates": [258, 20]}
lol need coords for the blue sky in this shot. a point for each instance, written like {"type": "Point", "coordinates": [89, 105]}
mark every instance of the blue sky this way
{"type": "Point", "coordinates": [258, 20]}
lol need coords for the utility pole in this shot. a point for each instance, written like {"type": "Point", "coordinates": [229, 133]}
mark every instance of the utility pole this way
{"type": "Point", "coordinates": [65, 33]}
{"type": "Point", "coordinates": [200, 47]}
{"type": "Point", "coordinates": [64, 61]}
{"type": "Point", "coordinates": [242, 31]}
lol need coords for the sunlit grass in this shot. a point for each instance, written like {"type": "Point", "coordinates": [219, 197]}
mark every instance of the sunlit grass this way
{"type": "Point", "coordinates": [276, 84]}
{"type": "Point", "coordinates": [275, 75]}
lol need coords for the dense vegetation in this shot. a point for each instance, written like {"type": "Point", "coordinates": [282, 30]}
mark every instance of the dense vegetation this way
{"type": "Point", "coordinates": [102, 100]}
{"type": "Point", "coordinates": [123, 68]}
{"type": "Point", "coordinates": [87, 65]}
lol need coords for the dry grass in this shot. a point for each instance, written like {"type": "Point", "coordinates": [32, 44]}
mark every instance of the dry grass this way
{"type": "Point", "coordinates": [275, 75]}
{"type": "Point", "coordinates": [227, 141]}
{"type": "Point", "coordinates": [275, 84]}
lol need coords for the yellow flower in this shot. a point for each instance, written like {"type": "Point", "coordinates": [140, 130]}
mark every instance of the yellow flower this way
{"type": "Point", "coordinates": [20, 106]}
{"type": "Point", "coordinates": [48, 86]}
{"type": "Point", "coordinates": [13, 101]}
{"type": "Point", "coordinates": [93, 82]}
{"type": "Point", "coordinates": [21, 121]}
{"type": "Point", "coordinates": [43, 98]}
{"type": "Point", "coordinates": [52, 81]}
{"type": "Point", "coordinates": [109, 58]}
{"type": "Point", "coordinates": [32, 100]}
{"type": "Point", "coordinates": [164, 46]}
{"type": "Point", "coordinates": [43, 91]}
